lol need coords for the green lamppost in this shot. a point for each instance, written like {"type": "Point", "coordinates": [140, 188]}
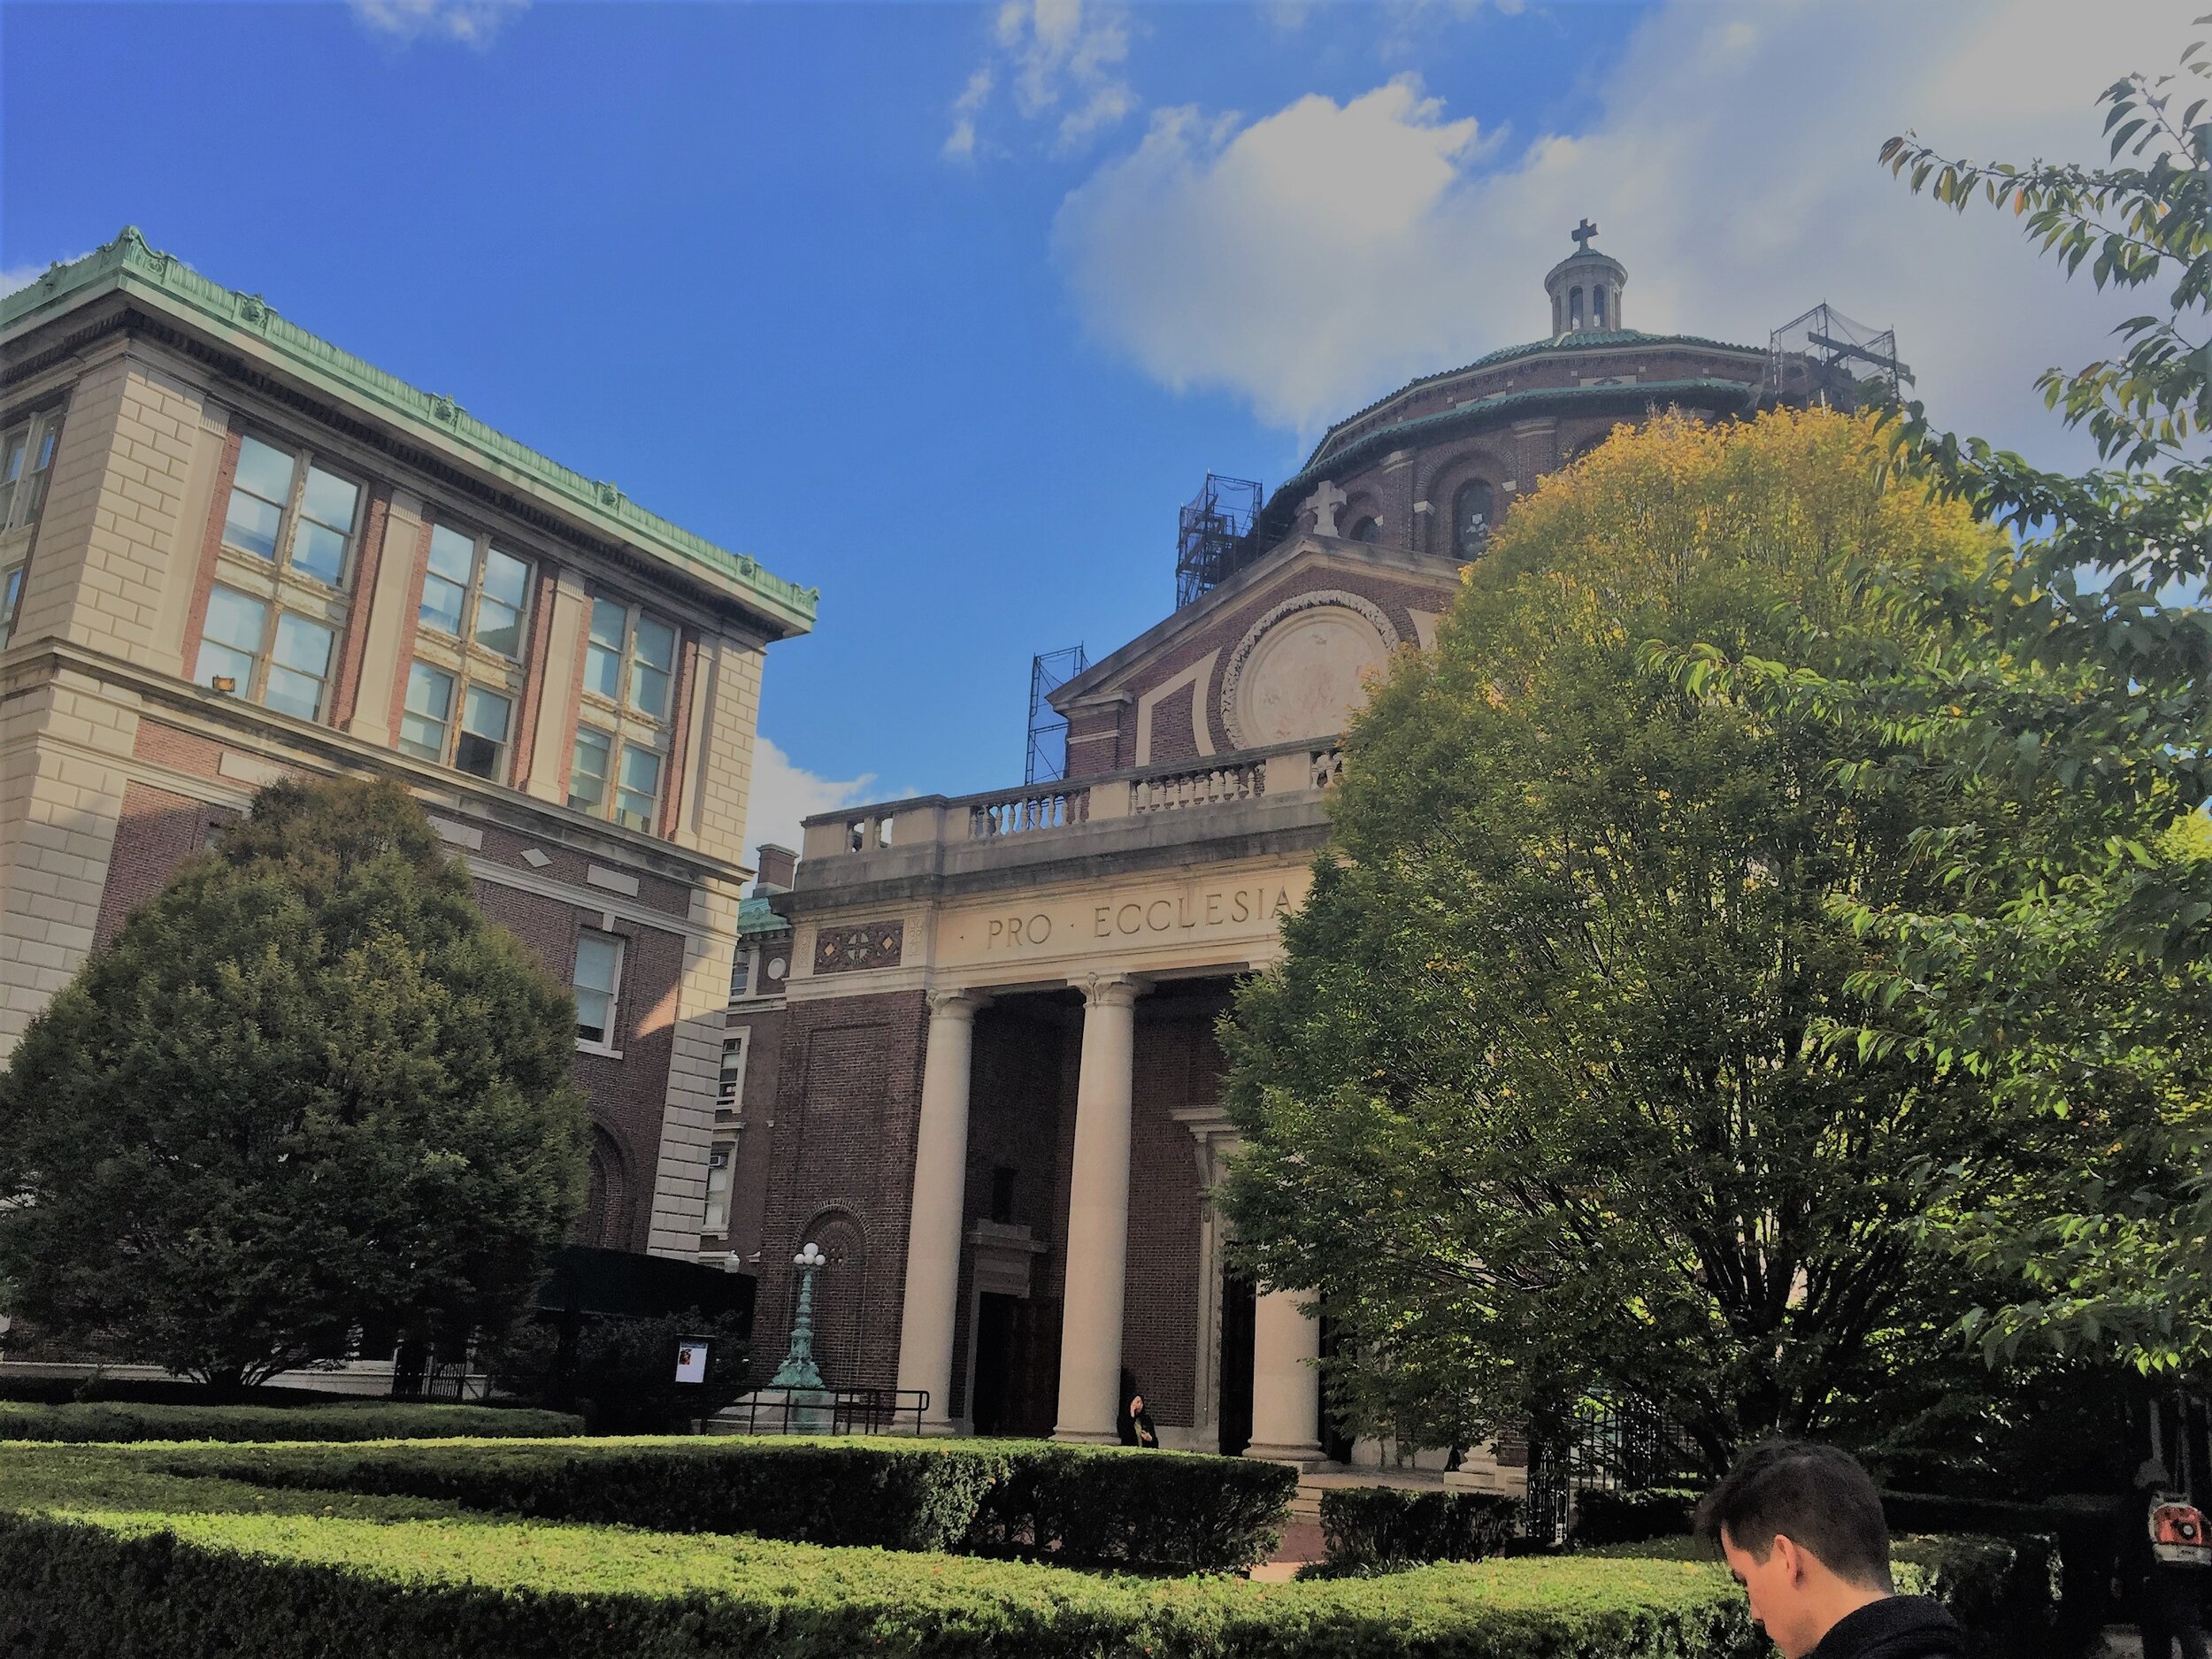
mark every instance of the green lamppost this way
{"type": "Point", "coordinates": [798, 1370]}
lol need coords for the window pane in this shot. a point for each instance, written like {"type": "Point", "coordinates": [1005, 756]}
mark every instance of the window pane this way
{"type": "Point", "coordinates": [656, 653]}
{"type": "Point", "coordinates": [429, 705]}
{"type": "Point", "coordinates": [318, 550]}
{"type": "Point", "coordinates": [595, 1012]}
{"type": "Point", "coordinates": [598, 959]}
{"type": "Point", "coordinates": [602, 660]}
{"type": "Point", "coordinates": [299, 665]}
{"type": "Point", "coordinates": [250, 525]}
{"type": "Point", "coordinates": [330, 500]}
{"type": "Point", "coordinates": [505, 577]}
{"type": "Point", "coordinates": [588, 771]}
{"type": "Point", "coordinates": [499, 608]}
{"type": "Point", "coordinates": [445, 586]}
{"type": "Point", "coordinates": [635, 794]}
{"type": "Point", "coordinates": [219, 661]}
{"type": "Point", "coordinates": [483, 733]}
{"type": "Point", "coordinates": [656, 644]}
{"type": "Point", "coordinates": [13, 468]}
{"type": "Point", "coordinates": [234, 621]}
{"type": "Point", "coordinates": [10, 598]}
{"type": "Point", "coordinates": [265, 470]}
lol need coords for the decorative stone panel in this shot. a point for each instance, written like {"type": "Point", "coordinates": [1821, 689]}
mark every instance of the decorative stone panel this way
{"type": "Point", "coordinates": [868, 945]}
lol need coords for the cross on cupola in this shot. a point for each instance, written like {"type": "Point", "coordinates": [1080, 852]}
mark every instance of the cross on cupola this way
{"type": "Point", "coordinates": [1586, 288]}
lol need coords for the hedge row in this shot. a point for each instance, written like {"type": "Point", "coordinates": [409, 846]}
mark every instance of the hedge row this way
{"type": "Point", "coordinates": [274, 1586]}
{"type": "Point", "coordinates": [1085, 1506]}
{"type": "Point", "coordinates": [1627, 1517]}
{"type": "Point", "coordinates": [1387, 1529]}
{"type": "Point", "coordinates": [340, 1420]}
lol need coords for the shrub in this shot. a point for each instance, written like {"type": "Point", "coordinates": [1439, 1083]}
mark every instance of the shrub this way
{"type": "Point", "coordinates": [337, 1420]}
{"type": "Point", "coordinates": [1385, 1529]}
{"type": "Point", "coordinates": [1082, 1506]}
{"type": "Point", "coordinates": [1622, 1518]}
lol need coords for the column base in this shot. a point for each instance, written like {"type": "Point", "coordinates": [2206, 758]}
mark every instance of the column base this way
{"type": "Point", "coordinates": [934, 1428]}
{"type": "Point", "coordinates": [1305, 1457]}
{"type": "Point", "coordinates": [1087, 1437]}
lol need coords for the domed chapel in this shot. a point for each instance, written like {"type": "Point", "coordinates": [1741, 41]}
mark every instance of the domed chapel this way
{"type": "Point", "coordinates": [986, 1084]}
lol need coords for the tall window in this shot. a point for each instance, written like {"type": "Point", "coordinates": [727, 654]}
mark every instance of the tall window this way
{"type": "Point", "coordinates": [1597, 306]}
{"type": "Point", "coordinates": [730, 1089]}
{"type": "Point", "coordinates": [716, 1218]}
{"type": "Point", "coordinates": [289, 544]}
{"type": "Point", "coordinates": [251, 650]}
{"type": "Point", "coordinates": [475, 743]}
{"type": "Point", "coordinates": [598, 976]}
{"type": "Point", "coordinates": [287, 508]}
{"type": "Point", "coordinates": [10, 599]}
{"type": "Point", "coordinates": [620, 760]}
{"type": "Point", "coordinates": [1470, 519]}
{"type": "Point", "coordinates": [1574, 308]}
{"type": "Point", "coordinates": [27, 461]}
{"type": "Point", "coordinates": [467, 678]}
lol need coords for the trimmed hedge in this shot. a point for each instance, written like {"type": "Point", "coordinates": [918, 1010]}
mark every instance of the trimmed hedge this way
{"type": "Point", "coordinates": [1388, 1529]}
{"type": "Point", "coordinates": [1086, 1506]}
{"type": "Point", "coordinates": [340, 1420]}
{"type": "Point", "coordinates": [1626, 1517]}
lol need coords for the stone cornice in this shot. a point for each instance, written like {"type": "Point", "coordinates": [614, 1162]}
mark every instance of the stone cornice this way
{"type": "Point", "coordinates": [245, 323]}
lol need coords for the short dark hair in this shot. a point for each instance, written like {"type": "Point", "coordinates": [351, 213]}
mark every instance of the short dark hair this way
{"type": "Point", "coordinates": [1816, 1496]}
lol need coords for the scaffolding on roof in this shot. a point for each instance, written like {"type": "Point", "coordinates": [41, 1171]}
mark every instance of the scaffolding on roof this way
{"type": "Point", "coordinates": [1049, 671]}
{"type": "Point", "coordinates": [1213, 535]}
{"type": "Point", "coordinates": [1850, 365]}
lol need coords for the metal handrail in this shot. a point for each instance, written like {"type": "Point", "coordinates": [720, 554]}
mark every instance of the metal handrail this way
{"type": "Point", "coordinates": [826, 1412]}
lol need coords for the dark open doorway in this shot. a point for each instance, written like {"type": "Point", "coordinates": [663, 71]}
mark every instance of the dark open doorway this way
{"type": "Point", "coordinates": [1237, 1304]}
{"type": "Point", "coordinates": [1016, 1369]}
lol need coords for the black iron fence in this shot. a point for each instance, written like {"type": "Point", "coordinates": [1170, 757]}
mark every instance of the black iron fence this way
{"type": "Point", "coordinates": [825, 1411]}
{"type": "Point", "coordinates": [1604, 1447]}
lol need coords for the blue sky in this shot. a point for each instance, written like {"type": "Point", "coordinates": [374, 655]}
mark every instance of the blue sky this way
{"type": "Point", "coordinates": [944, 308]}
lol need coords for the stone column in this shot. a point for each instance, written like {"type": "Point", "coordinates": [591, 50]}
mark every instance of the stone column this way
{"type": "Point", "coordinates": [940, 1187]}
{"type": "Point", "coordinates": [1098, 1215]}
{"type": "Point", "coordinates": [1285, 1387]}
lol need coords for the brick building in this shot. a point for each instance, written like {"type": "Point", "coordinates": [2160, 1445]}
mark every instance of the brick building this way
{"type": "Point", "coordinates": [997, 1100]}
{"type": "Point", "coordinates": [231, 551]}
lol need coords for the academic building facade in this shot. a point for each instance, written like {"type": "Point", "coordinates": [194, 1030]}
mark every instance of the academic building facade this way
{"type": "Point", "coordinates": [231, 552]}
{"type": "Point", "coordinates": [997, 1104]}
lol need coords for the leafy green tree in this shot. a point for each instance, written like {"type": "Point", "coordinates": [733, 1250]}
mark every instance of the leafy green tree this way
{"type": "Point", "coordinates": [2069, 964]}
{"type": "Point", "coordinates": [308, 1088]}
{"type": "Point", "coordinates": [1536, 1100]}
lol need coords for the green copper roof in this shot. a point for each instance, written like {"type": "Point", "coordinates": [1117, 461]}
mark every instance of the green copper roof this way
{"type": "Point", "coordinates": [129, 264]}
{"type": "Point", "coordinates": [1581, 340]}
{"type": "Point", "coordinates": [753, 915]}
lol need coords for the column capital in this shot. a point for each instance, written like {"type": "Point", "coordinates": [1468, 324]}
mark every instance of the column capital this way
{"type": "Point", "coordinates": [1111, 990]}
{"type": "Point", "coordinates": [956, 1004]}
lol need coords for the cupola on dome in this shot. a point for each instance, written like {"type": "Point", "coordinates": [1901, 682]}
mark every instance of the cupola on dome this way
{"type": "Point", "coordinates": [1586, 288]}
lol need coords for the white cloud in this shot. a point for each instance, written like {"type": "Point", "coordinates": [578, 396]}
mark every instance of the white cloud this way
{"type": "Point", "coordinates": [1314, 257]}
{"type": "Point", "coordinates": [783, 794]}
{"type": "Point", "coordinates": [1063, 62]}
{"type": "Point", "coordinates": [21, 276]}
{"type": "Point", "coordinates": [464, 22]}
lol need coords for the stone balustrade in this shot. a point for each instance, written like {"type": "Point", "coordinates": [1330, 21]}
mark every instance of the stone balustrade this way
{"type": "Point", "coordinates": [1282, 769]}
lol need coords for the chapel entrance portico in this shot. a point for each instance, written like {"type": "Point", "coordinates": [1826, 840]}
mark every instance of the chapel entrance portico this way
{"type": "Point", "coordinates": [1082, 1121]}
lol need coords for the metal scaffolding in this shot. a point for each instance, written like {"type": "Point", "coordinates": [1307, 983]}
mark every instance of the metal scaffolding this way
{"type": "Point", "coordinates": [1823, 357]}
{"type": "Point", "coordinates": [1048, 732]}
{"type": "Point", "coordinates": [1213, 537]}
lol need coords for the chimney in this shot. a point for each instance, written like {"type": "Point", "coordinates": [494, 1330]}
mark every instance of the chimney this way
{"type": "Point", "coordinates": [777, 867]}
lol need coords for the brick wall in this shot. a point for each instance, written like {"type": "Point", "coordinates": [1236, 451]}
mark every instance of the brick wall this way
{"type": "Point", "coordinates": [627, 1096]}
{"type": "Point", "coordinates": [847, 1102]}
{"type": "Point", "coordinates": [158, 832]}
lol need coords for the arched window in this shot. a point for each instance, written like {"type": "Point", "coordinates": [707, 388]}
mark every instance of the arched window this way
{"type": "Point", "coordinates": [1367, 529]}
{"type": "Point", "coordinates": [1597, 306]}
{"type": "Point", "coordinates": [1574, 308]}
{"type": "Point", "coordinates": [1470, 519]}
{"type": "Point", "coordinates": [601, 1222]}
{"type": "Point", "coordinates": [841, 1293]}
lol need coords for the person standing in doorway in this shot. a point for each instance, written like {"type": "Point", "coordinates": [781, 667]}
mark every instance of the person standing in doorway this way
{"type": "Point", "coordinates": [1136, 1424]}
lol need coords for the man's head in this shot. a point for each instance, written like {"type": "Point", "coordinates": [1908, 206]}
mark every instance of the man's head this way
{"type": "Point", "coordinates": [1801, 1529]}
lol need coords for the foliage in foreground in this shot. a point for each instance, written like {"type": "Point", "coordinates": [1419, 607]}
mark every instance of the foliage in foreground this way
{"type": "Point", "coordinates": [1536, 1100]}
{"type": "Point", "coordinates": [2068, 963]}
{"type": "Point", "coordinates": [620, 1374]}
{"type": "Point", "coordinates": [91, 1421]}
{"type": "Point", "coordinates": [103, 1552]}
{"type": "Point", "coordinates": [308, 1088]}
{"type": "Point", "coordinates": [1082, 1506]}
{"type": "Point", "coordinates": [1387, 1529]}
